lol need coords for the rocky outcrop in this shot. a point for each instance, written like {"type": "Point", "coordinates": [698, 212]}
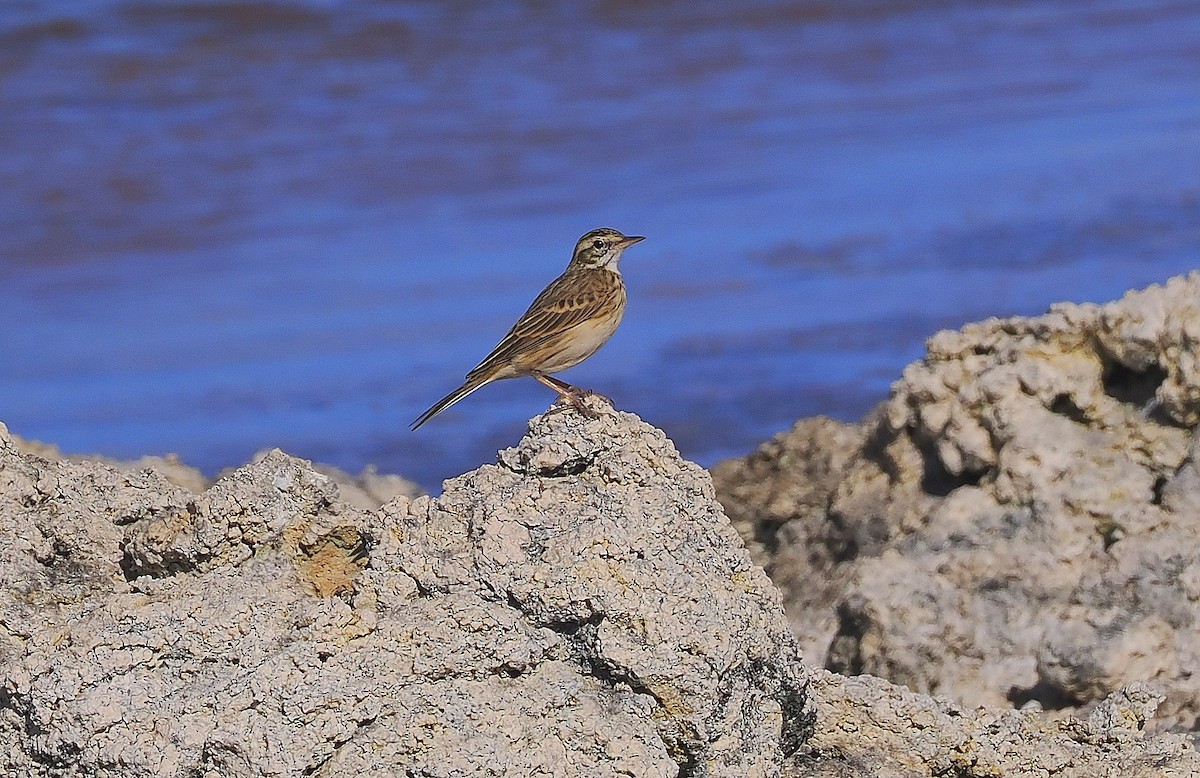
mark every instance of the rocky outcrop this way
{"type": "Point", "coordinates": [169, 466]}
{"type": "Point", "coordinates": [581, 608]}
{"type": "Point", "coordinates": [1015, 525]}
{"type": "Point", "coordinates": [367, 490]}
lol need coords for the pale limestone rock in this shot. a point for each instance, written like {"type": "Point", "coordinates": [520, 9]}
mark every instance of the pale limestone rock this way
{"type": "Point", "coordinates": [583, 608]}
{"type": "Point", "coordinates": [868, 728]}
{"type": "Point", "coordinates": [367, 490]}
{"type": "Point", "coordinates": [1015, 524]}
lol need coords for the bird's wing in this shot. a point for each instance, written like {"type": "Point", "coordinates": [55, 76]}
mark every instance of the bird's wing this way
{"type": "Point", "coordinates": [569, 300]}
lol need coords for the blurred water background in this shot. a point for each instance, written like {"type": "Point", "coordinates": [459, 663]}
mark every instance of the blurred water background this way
{"type": "Point", "coordinates": [232, 224]}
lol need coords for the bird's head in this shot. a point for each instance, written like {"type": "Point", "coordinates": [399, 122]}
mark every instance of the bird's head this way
{"type": "Point", "coordinates": [602, 248]}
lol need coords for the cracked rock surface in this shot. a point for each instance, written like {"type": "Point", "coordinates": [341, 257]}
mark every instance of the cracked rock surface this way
{"type": "Point", "coordinates": [1016, 525]}
{"type": "Point", "coordinates": [868, 728]}
{"type": "Point", "coordinates": [581, 608]}
{"type": "Point", "coordinates": [367, 490]}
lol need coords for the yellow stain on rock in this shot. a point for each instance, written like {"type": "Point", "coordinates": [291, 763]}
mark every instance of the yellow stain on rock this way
{"type": "Point", "coordinates": [330, 564]}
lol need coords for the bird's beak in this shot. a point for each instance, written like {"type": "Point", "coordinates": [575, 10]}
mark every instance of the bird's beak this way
{"type": "Point", "coordinates": [629, 240]}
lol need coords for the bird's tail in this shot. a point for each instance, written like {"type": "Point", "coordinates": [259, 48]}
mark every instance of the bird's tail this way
{"type": "Point", "coordinates": [444, 403]}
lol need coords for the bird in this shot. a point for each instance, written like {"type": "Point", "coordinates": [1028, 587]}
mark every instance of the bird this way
{"type": "Point", "coordinates": [568, 322]}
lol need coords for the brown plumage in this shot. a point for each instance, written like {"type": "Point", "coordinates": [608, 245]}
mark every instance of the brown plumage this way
{"type": "Point", "coordinates": [568, 322]}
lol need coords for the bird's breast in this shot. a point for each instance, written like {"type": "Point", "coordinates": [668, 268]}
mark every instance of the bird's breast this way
{"type": "Point", "coordinates": [585, 338]}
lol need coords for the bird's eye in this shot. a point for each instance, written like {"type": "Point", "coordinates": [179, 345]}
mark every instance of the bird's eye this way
{"type": "Point", "coordinates": [599, 244]}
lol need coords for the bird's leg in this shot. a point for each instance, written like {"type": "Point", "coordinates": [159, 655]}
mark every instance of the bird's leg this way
{"type": "Point", "coordinates": [571, 395]}
{"type": "Point", "coordinates": [574, 390]}
{"type": "Point", "coordinates": [562, 387]}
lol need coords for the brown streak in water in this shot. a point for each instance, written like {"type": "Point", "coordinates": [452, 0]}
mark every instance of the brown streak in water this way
{"type": "Point", "coordinates": [680, 290]}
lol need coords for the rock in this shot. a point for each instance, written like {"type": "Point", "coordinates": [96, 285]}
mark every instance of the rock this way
{"type": "Point", "coordinates": [581, 608]}
{"type": "Point", "coordinates": [597, 530]}
{"type": "Point", "coordinates": [781, 517]}
{"type": "Point", "coordinates": [1015, 524]}
{"type": "Point", "coordinates": [368, 490]}
{"type": "Point", "coordinates": [868, 728]}
{"type": "Point", "coordinates": [170, 466]}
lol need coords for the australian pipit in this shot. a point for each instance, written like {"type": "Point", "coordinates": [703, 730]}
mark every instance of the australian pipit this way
{"type": "Point", "coordinates": [573, 317]}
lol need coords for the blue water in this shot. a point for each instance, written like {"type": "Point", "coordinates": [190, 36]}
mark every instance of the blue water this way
{"type": "Point", "coordinates": [232, 225]}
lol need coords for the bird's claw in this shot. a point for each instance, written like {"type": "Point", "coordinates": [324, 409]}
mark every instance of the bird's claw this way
{"type": "Point", "coordinates": [577, 401]}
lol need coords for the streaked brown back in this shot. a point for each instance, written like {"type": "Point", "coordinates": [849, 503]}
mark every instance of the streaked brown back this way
{"type": "Point", "coordinates": [577, 296]}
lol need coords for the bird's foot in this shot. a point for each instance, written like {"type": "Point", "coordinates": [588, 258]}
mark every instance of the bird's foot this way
{"type": "Point", "coordinates": [584, 409]}
{"type": "Point", "coordinates": [598, 396]}
{"type": "Point", "coordinates": [577, 400]}
{"type": "Point", "coordinates": [571, 396]}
